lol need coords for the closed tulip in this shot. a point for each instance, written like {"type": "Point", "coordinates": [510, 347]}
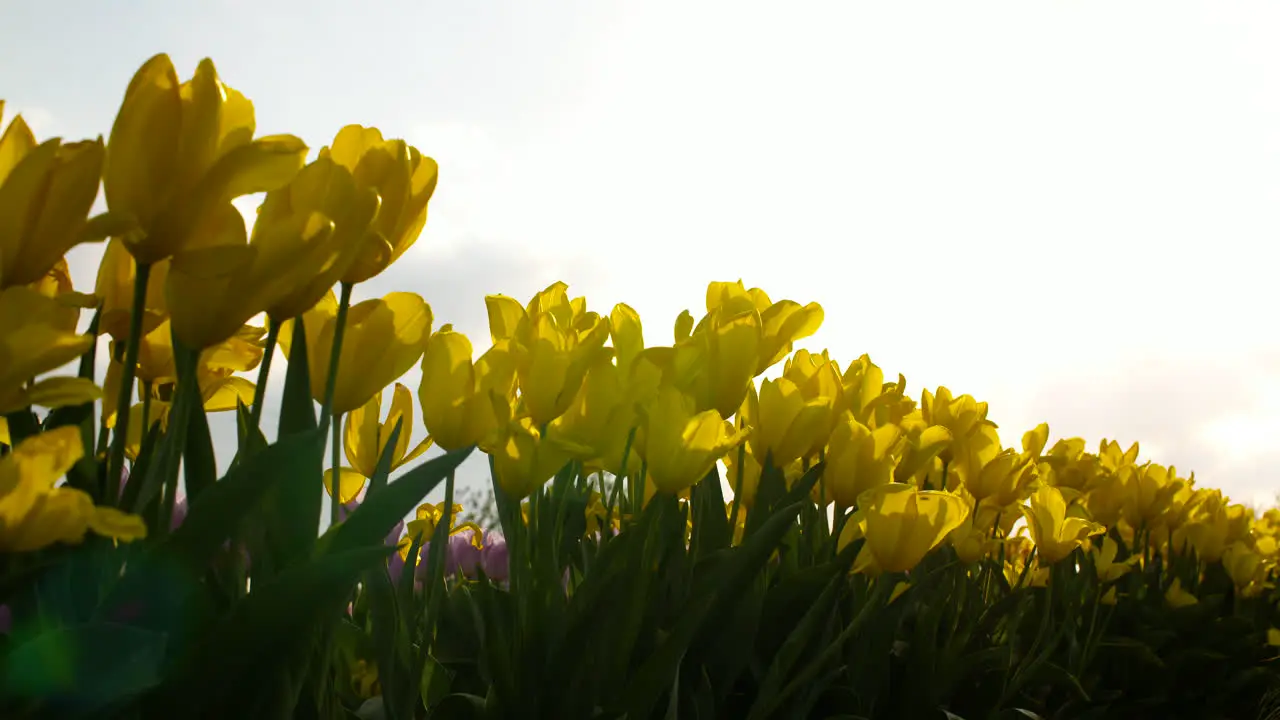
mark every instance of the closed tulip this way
{"type": "Point", "coordinates": [902, 524]}
{"type": "Point", "coordinates": [180, 152]}
{"type": "Point", "coordinates": [455, 391]}
{"type": "Point", "coordinates": [681, 444]}
{"type": "Point", "coordinates": [114, 290]}
{"type": "Point", "coordinates": [46, 191]}
{"type": "Point", "coordinates": [787, 425]}
{"type": "Point", "coordinates": [859, 459]}
{"type": "Point", "coordinates": [305, 237]}
{"type": "Point", "coordinates": [384, 337]}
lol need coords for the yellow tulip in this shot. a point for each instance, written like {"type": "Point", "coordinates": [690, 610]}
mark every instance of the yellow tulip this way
{"type": "Point", "coordinates": [1056, 535]}
{"type": "Point", "coordinates": [552, 345]}
{"type": "Point", "coordinates": [455, 392]}
{"type": "Point", "coordinates": [366, 438]}
{"type": "Point", "coordinates": [1209, 529]}
{"type": "Point", "coordinates": [902, 524]}
{"type": "Point", "coordinates": [114, 289]}
{"type": "Point", "coordinates": [523, 459]}
{"type": "Point", "coordinates": [861, 383]}
{"type": "Point", "coordinates": [383, 338]}
{"type": "Point", "coordinates": [1177, 597]}
{"type": "Point", "coordinates": [307, 234]}
{"type": "Point", "coordinates": [984, 468]}
{"type": "Point", "coordinates": [56, 284]}
{"type": "Point", "coordinates": [859, 459]}
{"type": "Point", "coordinates": [1104, 561]}
{"type": "Point", "coordinates": [46, 192]}
{"type": "Point", "coordinates": [787, 426]}
{"type": "Point", "coordinates": [403, 178]}
{"type": "Point", "coordinates": [679, 444]}
{"type": "Point", "coordinates": [180, 152]}
{"type": "Point", "coordinates": [962, 415]}
{"type": "Point", "coordinates": [627, 334]}
{"type": "Point", "coordinates": [919, 451]}
{"type": "Point", "coordinates": [973, 540]}
{"type": "Point", "coordinates": [781, 323]}
{"type": "Point", "coordinates": [1151, 492]}
{"type": "Point", "coordinates": [35, 514]}
{"type": "Point", "coordinates": [34, 341]}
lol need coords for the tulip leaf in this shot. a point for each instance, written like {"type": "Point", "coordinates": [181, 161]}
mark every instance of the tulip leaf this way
{"type": "Point", "coordinates": [380, 512]}
{"type": "Point", "coordinates": [717, 588]}
{"type": "Point", "coordinates": [802, 636]}
{"type": "Point", "coordinates": [711, 529]}
{"type": "Point", "coordinates": [297, 409]}
{"type": "Point", "coordinates": [278, 618]}
{"type": "Point", "coordinates": [219, 511]}
{"type": "Point", "coordinates": [79, 670]}
{"type": "Point", "coordinates": [390, 641]}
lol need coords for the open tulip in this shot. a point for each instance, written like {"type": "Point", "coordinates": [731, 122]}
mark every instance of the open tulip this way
{"type": "Point", "coordinates": [180, 152]}
{"type": "Point", "coordinates": [403, 178]}
{"type": "Point", "coordinates": [1056, 534]}
{"type": "Point", "coordinates": [553, 343]}
{"type": "Point", "coordinates": [34, 341]}
{"type": "Point", "coordinates": [366, 438]}
{"type": "Point", "coordinates": [384, 337]}
{"type": "Point", "coordinates": [35, 514]}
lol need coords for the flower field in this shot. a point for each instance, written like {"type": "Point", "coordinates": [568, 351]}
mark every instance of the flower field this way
{"type": "Point", "coordinates": [881, 552]}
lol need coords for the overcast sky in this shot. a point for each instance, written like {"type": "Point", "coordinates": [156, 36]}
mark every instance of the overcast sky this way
{"type": "Point", "coordinates": [1067, 209]}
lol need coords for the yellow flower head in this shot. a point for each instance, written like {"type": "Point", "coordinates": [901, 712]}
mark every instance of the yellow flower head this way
{"type": "Point", "coordinates": [902, 524]}
{"type": "Point", "coordinates": [180, 152]}
{"type": "Point", "coordinates": [384, 338]}
{"type": "Point", "coordinates": [1056, 534]}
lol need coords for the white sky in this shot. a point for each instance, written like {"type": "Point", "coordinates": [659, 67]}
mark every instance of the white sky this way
{"type": "Point", "coordinates": [1064, 208]}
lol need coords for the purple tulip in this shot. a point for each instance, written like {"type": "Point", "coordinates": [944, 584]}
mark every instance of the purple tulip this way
{"type": "Point", "coordinates": [493, 558]}
{"type": "Point", "coordinates": [461, 555]}
{"type": "Point", "coordinates": [6, 620]}
{"type": "Point", "coordinates": [179, 513]}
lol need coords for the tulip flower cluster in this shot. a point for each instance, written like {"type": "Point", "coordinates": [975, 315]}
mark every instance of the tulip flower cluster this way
{"type": "Point", "coordinates": [882, 553]}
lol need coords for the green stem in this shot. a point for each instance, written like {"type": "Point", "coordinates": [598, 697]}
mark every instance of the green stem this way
{"type": "Point", "coordinates": [115, 461]}
{"type": "Point", "coordinates": [146, 408]}
{"type": "Point", "coordinates": [883, 587]}
{"type": "Point", "coordinates": [335, 353]}
{"type": "Point", "coordinates": [260, 390]}
{"type": "Point", "coordinates": [435, 559]}
{"type": "Point", "coordinates": [737, 486]}
{"type": "Point", "coordinates": [335, 474]}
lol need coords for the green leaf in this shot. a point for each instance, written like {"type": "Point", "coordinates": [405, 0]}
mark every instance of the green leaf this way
{"type": "Point", "coordinates": [435, 683]}
{"type": "Point", "coordinates": [277, 618]}
{"type": "Point", "coordinates": [220, 510]}
{"type": "Point", "coordinates": [802, 636]}
{"type": "Point", "coordinates": [389, 639]}
{"type": "Point", "coordinates": [380, 512]}
{"type": "Point", "coordinates": [78, 670]}
{"type": "Point", "coordinates": [716, 590]}
{"type": "Point", "coordinates": [711, 529]}
{"type": "Point", "coordinates": [297, 410]}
